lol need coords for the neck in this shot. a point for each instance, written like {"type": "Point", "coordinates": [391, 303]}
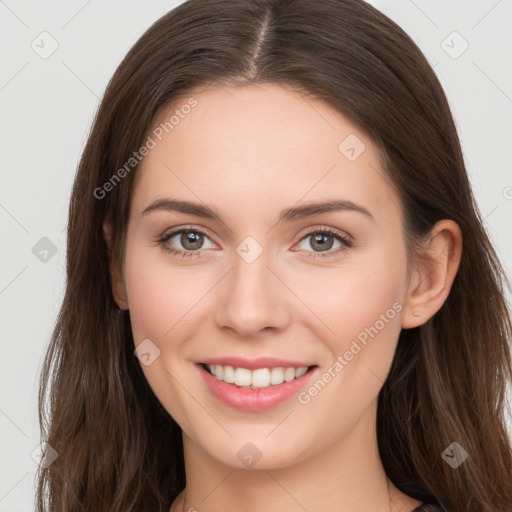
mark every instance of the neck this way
{"type": "Point", "coordinates": [348, 476]}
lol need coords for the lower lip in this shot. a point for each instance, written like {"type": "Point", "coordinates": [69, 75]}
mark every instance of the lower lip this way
{"type": "Point", "coordinates": [248, 399]}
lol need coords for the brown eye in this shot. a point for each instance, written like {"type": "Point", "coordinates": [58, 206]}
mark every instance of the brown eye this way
{"type": "Point", "coordinates": [191, 240]}
{"type": "Point", "coordinates": [322, 241]}
{"type": "Point", "coordinates": [185, 242]}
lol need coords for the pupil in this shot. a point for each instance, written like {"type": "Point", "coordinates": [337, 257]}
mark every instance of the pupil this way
{"type": "Point", "coordinates": [320, 239]}
{"type": "Point", "coordinates": [190, 237]}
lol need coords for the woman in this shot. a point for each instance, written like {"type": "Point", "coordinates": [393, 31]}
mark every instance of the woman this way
{"type": "Point", "coordinates": [280, 295]}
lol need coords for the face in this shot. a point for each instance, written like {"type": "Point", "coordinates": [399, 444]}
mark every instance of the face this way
{"type": "Point", "coordinates": [245, 273]}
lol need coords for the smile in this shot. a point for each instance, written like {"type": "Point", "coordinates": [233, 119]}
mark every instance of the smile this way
{"type": "Point", "coordinates": [256, 379]}
{"type": "Point", "coordinates": [257, 388]}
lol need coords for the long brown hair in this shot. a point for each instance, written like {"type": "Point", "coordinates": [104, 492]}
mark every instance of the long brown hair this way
{"type": "Point", "coordinates": [118, 449]}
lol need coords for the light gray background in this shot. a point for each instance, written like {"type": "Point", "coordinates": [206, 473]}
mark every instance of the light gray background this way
{"type": "Point", "coordinates": [47, 106]}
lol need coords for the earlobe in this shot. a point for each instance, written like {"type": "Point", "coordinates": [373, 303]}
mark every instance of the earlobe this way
{"type": "Point", "coordinates": [116, 275]}
{"type": "Point", "coordinates": [434, 273]}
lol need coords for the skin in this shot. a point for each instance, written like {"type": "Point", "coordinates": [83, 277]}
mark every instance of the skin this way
{"type": "Point", "coordinates": [249, 153]}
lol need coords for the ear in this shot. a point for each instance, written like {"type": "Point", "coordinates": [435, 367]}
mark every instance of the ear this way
{"type": "Point", "coordinates": [433, 275]}
{"type": "Point", "coordinates": [116, 275]}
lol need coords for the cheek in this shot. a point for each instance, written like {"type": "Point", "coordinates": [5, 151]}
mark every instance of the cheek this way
{"type": "Point", "coordinates": [151, 309]}
{"type": "Point", "coordinates": [360, 291]}
{"type": "Point", "coordinates": [162, 310]}
{"type": "Point", "coordinates": [364, 315]}
{"type": "Point", "coordinates": [161, 299]}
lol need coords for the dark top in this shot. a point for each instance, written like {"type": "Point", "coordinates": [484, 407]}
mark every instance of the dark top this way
{"type": "Point", "coordinates": [427, 508]}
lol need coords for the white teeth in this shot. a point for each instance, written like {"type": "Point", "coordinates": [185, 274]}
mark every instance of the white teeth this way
{"type": "Point", "coordinates": [229, 374]}
{"type": "Point", "coordinates": [301, 371]}
{"type": "Point", "coordinates": [277, 376]}
{"type": "Point", "coordinates": [242, 377]}
{"type": "Point", "coordinates": [261, 378]}
{"type": "Point", "coordinates": [255, 379]}
{"type": "Point", "coordinates": [289, 374]}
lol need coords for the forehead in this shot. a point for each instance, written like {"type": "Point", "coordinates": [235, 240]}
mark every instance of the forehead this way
{"type": "Point", "coordinates": [259, 146]}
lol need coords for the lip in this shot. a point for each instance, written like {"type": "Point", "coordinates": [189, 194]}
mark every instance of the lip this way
{"type": "Point", "coordinates": [254, 400]}
{"type": "Point", "coordinates": [254, 364]}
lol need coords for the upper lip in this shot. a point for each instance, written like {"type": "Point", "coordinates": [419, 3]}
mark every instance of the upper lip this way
{"type": "Point", "coordinates": [253, 364]}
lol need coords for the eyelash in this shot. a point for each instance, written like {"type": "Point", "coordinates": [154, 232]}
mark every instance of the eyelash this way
{"type": "Point", "coordinates": [346, 243]}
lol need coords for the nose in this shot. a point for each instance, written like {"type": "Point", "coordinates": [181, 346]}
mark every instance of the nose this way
{"type": "Point", "coordinates": [253, 298]}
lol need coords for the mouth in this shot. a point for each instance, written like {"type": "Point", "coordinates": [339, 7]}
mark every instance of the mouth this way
{"type": "Point", "coordinates": [259, 378]}
{"type": "Point", "coordinates": [257, 388]}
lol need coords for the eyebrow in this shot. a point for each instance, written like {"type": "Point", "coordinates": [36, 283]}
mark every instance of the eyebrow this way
{"type": "Point", "coordinates": [287, 215]}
